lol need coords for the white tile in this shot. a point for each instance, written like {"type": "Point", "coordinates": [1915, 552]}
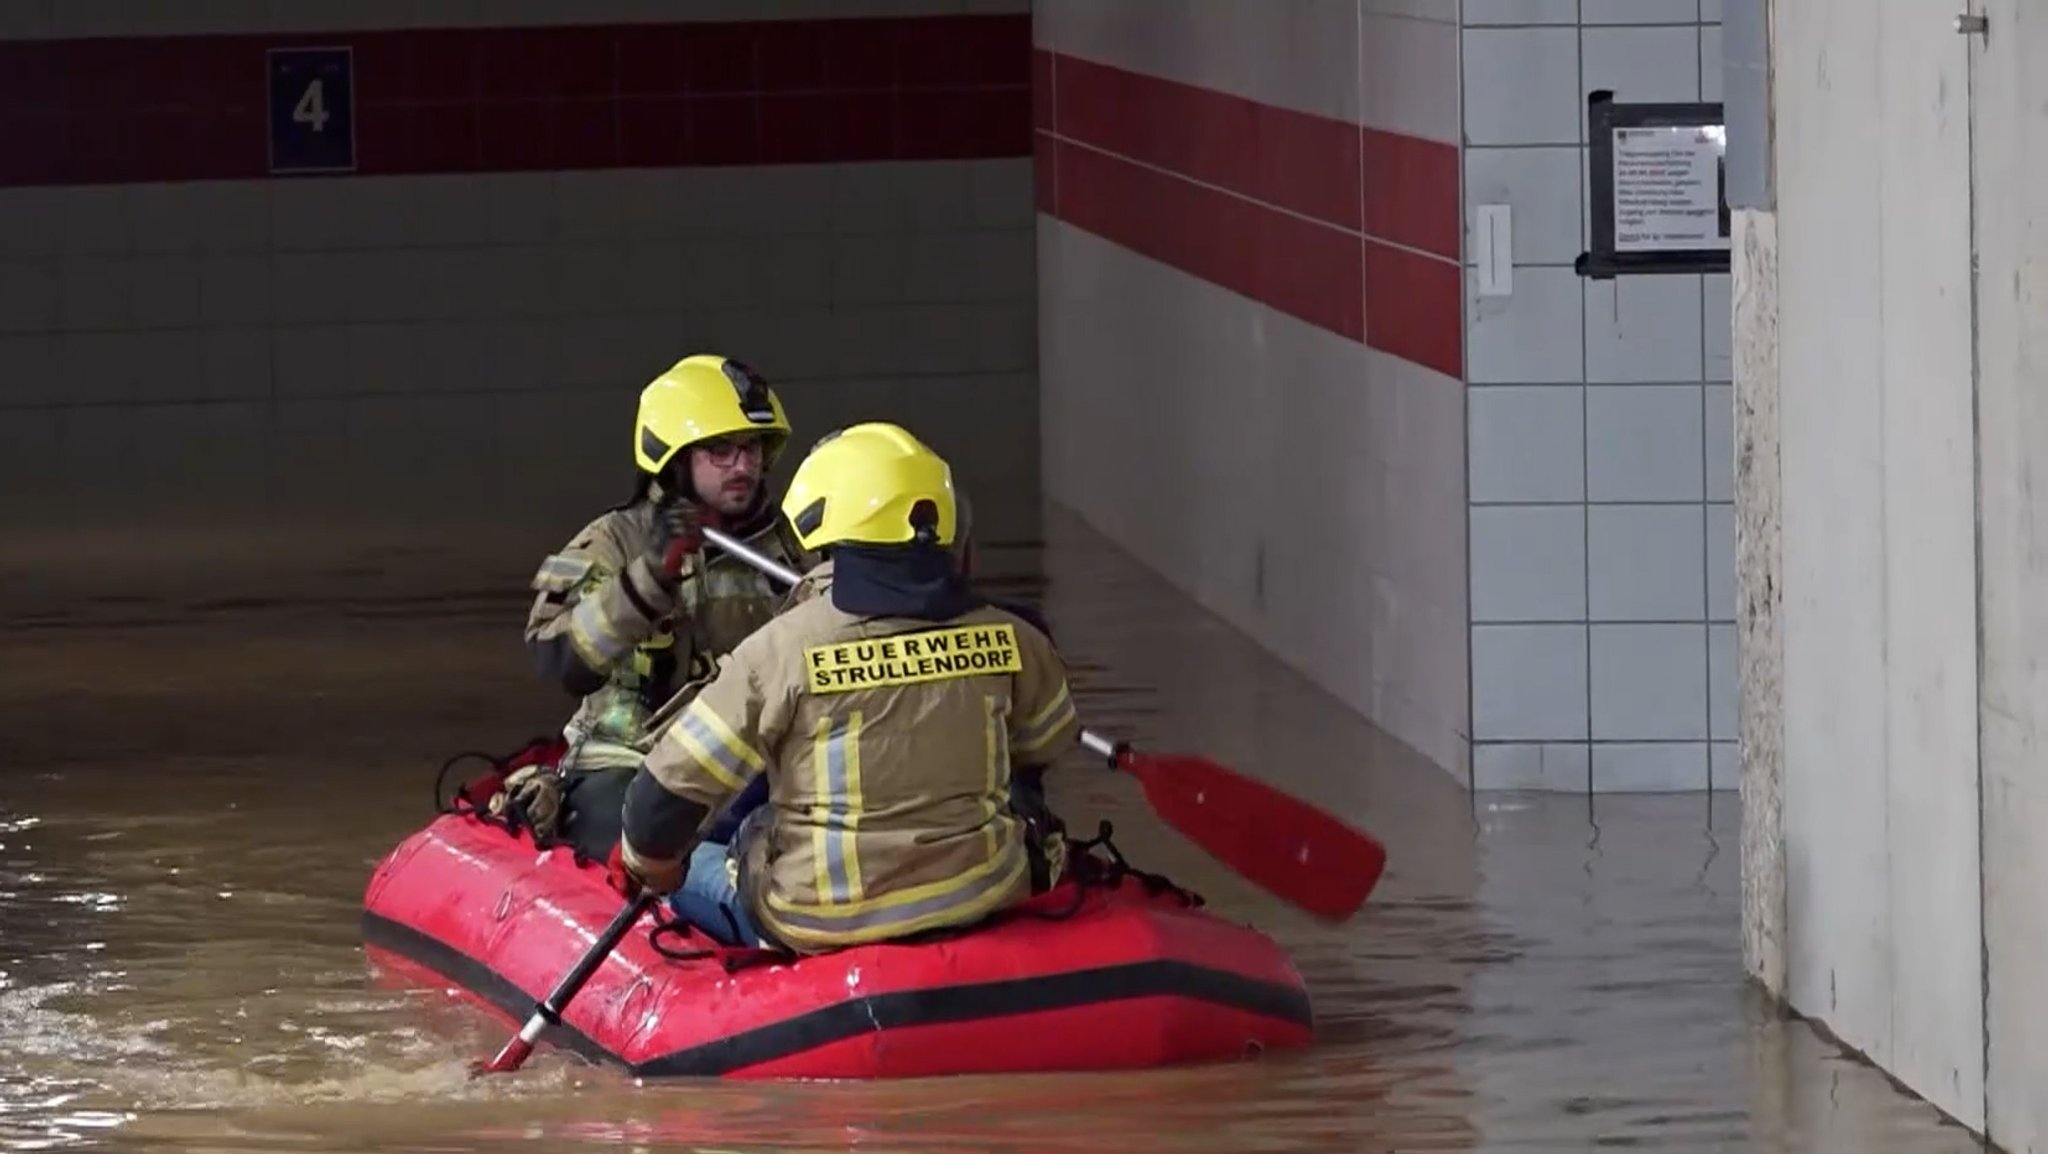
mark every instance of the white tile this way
{"type": "Point", "coordinates": [967, 266]}
{"type": "Point", "coordinates": [235, 363]}
{"type": "Point", "coordinates": [1720, 443]}
{"type": "Point", "coordinates": [795, 270]}
{"type": "Point", "coordinates": [510, 355]}
{"type": "Point", "coordinates": [1710, 11]}
{"type": "Point", "coordinates": [1642, 65]}
{"type": "Point", "coordinates": [1726, 765]}
{"type": "Point", "coordinates": [1436, 11]}
{"type": "Point", "coordinates": [1522, 86]}
{"type": "Point", "coordinates": [1532, 336]}
{"type": "Point", "coordinates": [234, 216]}
{"type": "Point", "coordinates": [460, 356]}
{"type": "Point", "coordinates": [1529, 682]}
{"type": "Point", "coordinates": [311, 361]}
{"type": "Point", "coordinates": [502, 282]}
{"type": "Point", "coordinates": [1720, 562]}
{"type": "Point", "coordinates": [314, 288]}
{"type": "Point", "coordinates": [316, 214]}
{"type": "Point", "coordinates": [140, 366]}
{"type": "Point", "coordinates": [1723, 683]}
{"type": "Point", "coordinates": [385, 358]}
{"type": "Point", "coordinates": [32, 451]}
{"type": "Point", "coordinates": [1409, 70]}
{"type": "Point", "coordinates": [442, 210]}
{"type": "Point", "coordinates": [928, 197]}
{"type": "Point", "coordinates": [234, 289]}
{"type": "Point", "coordinates": [93, 369]}
{"type": "Point", "coordinates": [27, 19]}
{"type": "Point", "coordinates": [166, 292]}
{"type": "Point", "coordinates": [1001, 194]}
{"type": "Point", "coordinates": [97, 292]}
{"type": "Point", "coordinates": [1005, 339]}
{"type": "Point", "coordinates": [31, 223]}
{"type": "Point", "coordinates": [1553, 768]}
{"type": "Point", "coordinates": [1304, 56]}
{"type": "Point", "coordinates": [31, 367]}
{"type": "Point", "coordinates": [1526, 443]}
{"type": "Point", "coordinates": [95, 221]}
{"type": "Point", "coordinates": [168, 218]}
{"type": "Point", "coordinates": [1528, 563]}
{"type": "Point", "coordinates": [219, 456]}
{"type": "Point", "coordinates": [1482, 12]}
{"type": "Point", "coordinates": [1717, 304]}
{"type": "Point", "coordinates": [868, 270]}
{"type": "Point", "coordinates": [1646, 563]}
{"type": "Point", "coordinates": [83, 18]}
{"type": "Point", "coordinates": [1664, 767]}
{"type": "Point", "coordinates": [1710, 64]}
{"type": "Point", "coordinates": [1643, 443]}
{"type": "Point", "coordinates": [1642, 329]}
{"type": "Point", "coordinates": [521, 212]}
{"type": "Point", "coordinates": [1649, 682]}
{"type": "Point", "coordinates": [1639, 11]}
{"type": "Point", "coordinates": [29, 297]}
{"type": "Point", "coordinates": [1540, 186]}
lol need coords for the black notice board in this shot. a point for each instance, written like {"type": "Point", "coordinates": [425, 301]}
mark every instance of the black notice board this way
{"type": "Point", "coordinates": [1670, 163]}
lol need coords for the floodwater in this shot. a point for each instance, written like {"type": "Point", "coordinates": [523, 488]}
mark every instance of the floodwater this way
{"type": "Point", "coordinates": [196, 791]}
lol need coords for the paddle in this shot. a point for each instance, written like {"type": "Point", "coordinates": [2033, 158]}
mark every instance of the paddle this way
{"type": "Point", "coordinates": [548, 1012]}
{"type": "Point", "coordinates": [1290, 848]}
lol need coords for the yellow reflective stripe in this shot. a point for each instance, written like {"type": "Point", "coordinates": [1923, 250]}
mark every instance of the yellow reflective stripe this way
{"type": "Point", "coordinates": [592, 633]}
{"type": "Point", "coordinates": [727, 736]}
{"type": "Point", "coordinates": [835, 754]}
{"type": "Point", "coordinates": [711, 743]}
{"type": "Point", "coordinates": [962, 901]}
{"type": "Point", "coordinates": [1038, 732]}
{"type": "Point", "coordinates": [564, 571]}
{"type": "Point", "coordinates": [944, 889]}
{"type": "Point", "coordinates": [995, 767]}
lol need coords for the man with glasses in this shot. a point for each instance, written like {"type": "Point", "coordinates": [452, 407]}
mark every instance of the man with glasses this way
{"type": "Point", "coordinates": [634, 615]}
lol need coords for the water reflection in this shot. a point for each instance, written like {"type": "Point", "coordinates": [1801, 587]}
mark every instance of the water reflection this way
{"type": "Point", "coordinates": [180, 965]}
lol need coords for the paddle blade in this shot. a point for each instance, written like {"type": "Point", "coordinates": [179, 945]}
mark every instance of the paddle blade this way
{"type": "Point", "coordinates": [1283, 844]}
{"type": "Point", "coordinates": [509, 1059]}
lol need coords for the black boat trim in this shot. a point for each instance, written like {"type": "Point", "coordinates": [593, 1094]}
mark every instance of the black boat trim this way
{"type": "Point", "coordinates": [932, 1006]}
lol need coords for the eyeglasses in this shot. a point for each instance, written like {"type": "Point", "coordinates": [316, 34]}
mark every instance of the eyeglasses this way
{"type": "Point", "coordinates": [726, 453]}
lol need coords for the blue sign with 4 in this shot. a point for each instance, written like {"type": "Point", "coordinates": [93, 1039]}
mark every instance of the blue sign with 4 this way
{"type": "Point", "coordinates": [312, 110]}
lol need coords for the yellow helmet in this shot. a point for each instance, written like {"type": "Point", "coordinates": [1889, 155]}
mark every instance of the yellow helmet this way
{"type": "Point", "coordinates": [865, 485]}
{"type": "Point", "coordinates": [700, 398]}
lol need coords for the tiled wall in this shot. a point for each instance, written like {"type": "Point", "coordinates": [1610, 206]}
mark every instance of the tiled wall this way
{"type": "Point", "coordinates": [1250, 324]}
{"type": "Point", "coordinates": [544, 216]}
{"type": "Point", "coordinates": [1601, 457]}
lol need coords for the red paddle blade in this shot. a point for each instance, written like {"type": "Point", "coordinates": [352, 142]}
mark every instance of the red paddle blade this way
{"type": "Point", "coordinates": [1291, 848]}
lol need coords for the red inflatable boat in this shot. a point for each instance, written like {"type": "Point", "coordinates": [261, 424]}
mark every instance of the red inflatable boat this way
{"type": "Point", "coordinates": [1126, 971]}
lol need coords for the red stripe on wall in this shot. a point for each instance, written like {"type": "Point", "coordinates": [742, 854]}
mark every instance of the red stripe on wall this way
{"type": "Point", "coordinates": [531, 99]}
{"type": "Point", "coordinates": [1353, 230]}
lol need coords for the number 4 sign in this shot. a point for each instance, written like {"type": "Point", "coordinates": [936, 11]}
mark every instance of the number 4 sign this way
{"type": "Point", "coordinates": [312, 110]}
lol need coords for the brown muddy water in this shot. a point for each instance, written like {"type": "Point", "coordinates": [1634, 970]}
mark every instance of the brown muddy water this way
{"type": "Point", "coordinates": [197, 788]}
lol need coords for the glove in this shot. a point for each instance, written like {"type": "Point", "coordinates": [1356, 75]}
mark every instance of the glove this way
{"type": "Point", "coordinates": [678, 534]}
{"type": "Point", "coordinates": [629, 873]}
{"type": "Point", "coordinates": [536, 792]}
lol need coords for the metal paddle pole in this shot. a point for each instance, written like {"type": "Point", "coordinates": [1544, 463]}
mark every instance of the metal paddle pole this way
{"type": "Point", "coordinates": [549, 1011]}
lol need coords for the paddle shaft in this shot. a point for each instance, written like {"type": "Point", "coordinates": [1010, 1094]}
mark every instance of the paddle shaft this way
{"type": "Point", "coordinates": [549, 1011]}
{"type": "Point", "coordinates": [1105, 746]}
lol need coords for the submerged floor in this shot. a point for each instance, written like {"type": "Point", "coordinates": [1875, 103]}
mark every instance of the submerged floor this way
{"type": "Point", "coordinates": [179, 962]}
